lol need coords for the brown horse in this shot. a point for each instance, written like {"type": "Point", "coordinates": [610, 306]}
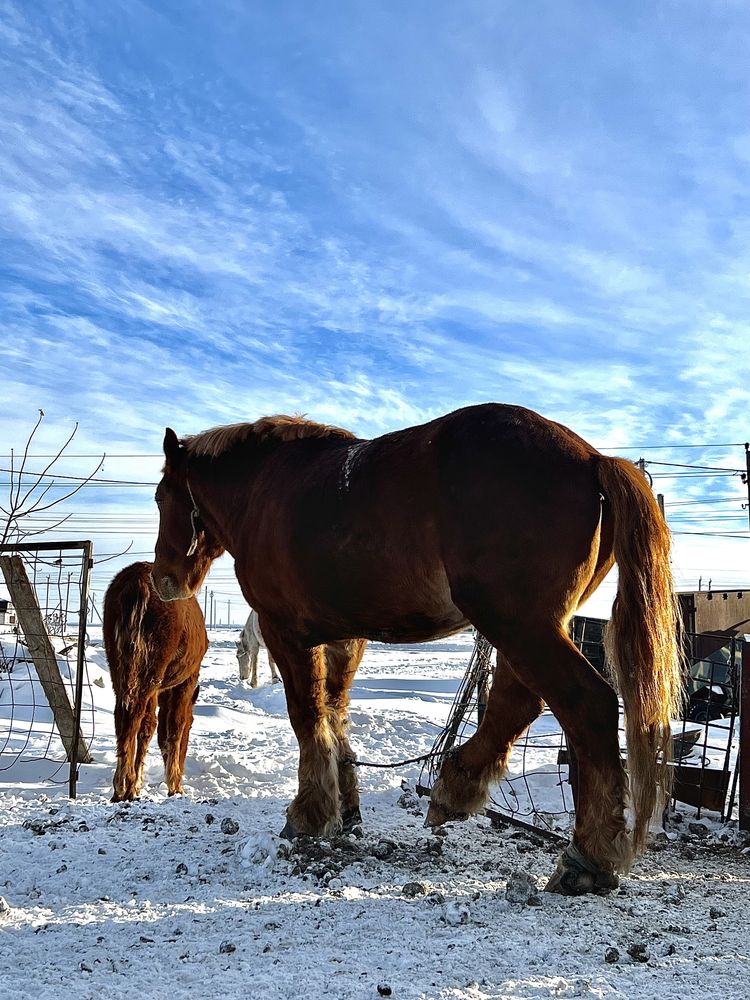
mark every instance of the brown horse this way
{"type": "Point", "coordinates": [154, 651]}
{"type": "Point", "coordinates": [491, 515]}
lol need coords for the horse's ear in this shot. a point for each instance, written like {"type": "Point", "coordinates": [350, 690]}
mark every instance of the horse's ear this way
{"type": "Point", "coordinates": [171, 447]}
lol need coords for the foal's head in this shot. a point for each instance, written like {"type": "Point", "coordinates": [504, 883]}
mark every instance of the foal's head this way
{"type": "Point", "coordinates": [185, 548]}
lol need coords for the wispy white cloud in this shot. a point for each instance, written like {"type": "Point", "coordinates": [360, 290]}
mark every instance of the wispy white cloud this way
{"type": "Point", "coordinates": [210, 216]}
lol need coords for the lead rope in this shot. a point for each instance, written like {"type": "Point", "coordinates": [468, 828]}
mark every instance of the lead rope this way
{"type": "Point", "coordinates": [393, 764]}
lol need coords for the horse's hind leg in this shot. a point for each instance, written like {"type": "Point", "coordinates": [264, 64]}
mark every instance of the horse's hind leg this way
{"type": "Point", "coordinates": [128, 717]}
{"type": "Point", "coordinates": [275, 675]}
{"type": "Point", "coordinates": [587, 708]}
{"type": "Point", "coordinates": [145, 733]}
{"type": "Point", "coordinates": [186, 729]}
{"type": "Point", "coordinates": [467, 772]}
{"type": "Point", "coordinates": [175, 720]}
{"type": "Point", "coordinates": [343, 659]}
{"type": "Point", "coordinates": [316, 809]}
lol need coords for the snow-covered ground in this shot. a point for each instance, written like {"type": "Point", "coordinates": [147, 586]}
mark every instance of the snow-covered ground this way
{"type": "Point", "coordinates": [197, 897]}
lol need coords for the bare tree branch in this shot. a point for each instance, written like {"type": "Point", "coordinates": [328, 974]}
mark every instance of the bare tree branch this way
{"type": "Point", "coordinates": [40, 418]}
{"type": "Point", "coordinates": [49, 527]}
{"type": "Point", "coordinates": [48, 466]}
{"type": "Point", "coordinates": [67, 496]}
{"type": "Point", "coordinates": [116, 555]}
{"type": "Point", "coordinates": [24, 500]}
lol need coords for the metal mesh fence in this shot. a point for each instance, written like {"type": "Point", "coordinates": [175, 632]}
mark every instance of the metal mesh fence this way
{"type": "Point", "coordinates": [46, 705]}
{"type": "Point", "coordinates": [536, 789]}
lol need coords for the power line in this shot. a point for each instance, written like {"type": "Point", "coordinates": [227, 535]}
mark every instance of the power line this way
{"type": "Point", "coordinates": [652, 447]}
{"type": "Point", "coordinates": [611, 447]}
{"type": "Point", "coordinates": [75, 479]}
{"type": "Point", "coordinates": [686, 503]}
{"type": "Point", "coordinates": [711, 468]}
{"type": "Point", "coordinates": [714, 534]}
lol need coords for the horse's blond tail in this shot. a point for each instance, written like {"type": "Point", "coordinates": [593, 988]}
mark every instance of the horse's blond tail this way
{"type": "Point", "coordinates": [128, 651]}
{"type": "Point", "coordinates": [641, 640]}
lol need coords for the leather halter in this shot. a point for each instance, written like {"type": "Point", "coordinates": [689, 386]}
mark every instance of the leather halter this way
{"type": "Point", "coordinates": [195, 519]}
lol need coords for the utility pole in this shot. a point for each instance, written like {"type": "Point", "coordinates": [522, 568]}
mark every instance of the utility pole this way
{"type": "Point", "coordinates": [746, 477]}
{"type": "Point", "coordinates": [229, 613]}
{"type": "Point", "coordinates": [641, 463]}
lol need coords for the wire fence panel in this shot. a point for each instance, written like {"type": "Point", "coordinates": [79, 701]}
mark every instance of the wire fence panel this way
{"type": "Point", "coordinates": [538, 787]}
{"type": "Point", "coordinates": [46, 704]}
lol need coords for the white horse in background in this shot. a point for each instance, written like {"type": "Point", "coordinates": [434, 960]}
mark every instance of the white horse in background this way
{"type": "Point", "coordinates": [248, 645]}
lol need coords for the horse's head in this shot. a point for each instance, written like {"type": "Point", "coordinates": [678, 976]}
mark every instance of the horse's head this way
{"type": "Point", "coordinates": [185, 548]}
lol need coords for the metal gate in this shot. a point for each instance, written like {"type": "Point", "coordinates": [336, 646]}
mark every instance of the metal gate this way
{"type": "Point", "coordinates": [538, 789]}
{"type": "Point", "coordinates": [46, 708]}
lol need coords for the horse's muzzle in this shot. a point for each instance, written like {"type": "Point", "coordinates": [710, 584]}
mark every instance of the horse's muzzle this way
{"type": "Point", "coordinates": [167, 589]}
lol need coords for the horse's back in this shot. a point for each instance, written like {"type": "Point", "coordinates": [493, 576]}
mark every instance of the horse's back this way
{"type": "Point", "coordinates": [162, 642]}
{"type": "Point", "coordinates": [383, 538]}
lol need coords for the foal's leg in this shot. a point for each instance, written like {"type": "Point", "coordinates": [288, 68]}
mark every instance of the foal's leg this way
{"type": "Point", "coordinates": [587, 708]}
{"type": "Point", "coordinates": [145, 733]}
{"type": "Point", "coordinates": [467, 772]}
{"type": "Point", "coordinates": [186, 729]}
{"type": "Point", "coordinates": [175, 720]}
{"type": "Point", "coordinates": [316, 809]}
{"type": "Point", "coordinates": [128, 718]}
{"type": "Point", "coordinates": [343, 659]}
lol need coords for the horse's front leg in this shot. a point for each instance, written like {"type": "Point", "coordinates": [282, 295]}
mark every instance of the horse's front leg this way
{"type": "Point", "coordinates": [316, 809]}
{"type": "Point", "coordinates": [343, 659]}
{"type": "Point", "coordinates": [252, 669]}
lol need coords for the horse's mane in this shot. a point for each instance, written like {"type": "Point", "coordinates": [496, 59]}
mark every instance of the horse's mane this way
{"type": "Point", "coordinates": [219, 440]}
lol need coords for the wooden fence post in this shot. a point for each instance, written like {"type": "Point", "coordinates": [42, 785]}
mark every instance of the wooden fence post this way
{"type": "Point", "coordinates": [43, 656]}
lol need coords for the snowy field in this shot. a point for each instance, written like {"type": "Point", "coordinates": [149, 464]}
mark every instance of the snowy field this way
{"type": "Point", "coordinates": [196, 897]}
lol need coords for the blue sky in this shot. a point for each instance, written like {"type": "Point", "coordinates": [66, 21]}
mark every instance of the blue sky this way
{"type": "Point", "coordinates": [375, 213]}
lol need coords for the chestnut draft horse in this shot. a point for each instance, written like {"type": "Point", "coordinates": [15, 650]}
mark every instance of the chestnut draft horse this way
{"type": "Point", "coordinates": [491, 515]}
{"type": "Point", "coordinates": [154, 651]}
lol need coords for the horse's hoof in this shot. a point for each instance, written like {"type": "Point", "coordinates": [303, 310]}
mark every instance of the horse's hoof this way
{"type": "Point", "coordinates": [350, 819]}
{"type": "Point", "coordinates": [437, 815]}
{"type": "Point", "coordinates": [576, 876]}
{"type": "Point", "coordinates": [289, 832]}
{"type": "Point", "coordinates": [124, 797]}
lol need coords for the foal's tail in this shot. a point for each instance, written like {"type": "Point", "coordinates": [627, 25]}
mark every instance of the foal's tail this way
{"type": "Point", "coordinates": [642, 636]}
{"type": "Point", "coordinates": [125, 636]}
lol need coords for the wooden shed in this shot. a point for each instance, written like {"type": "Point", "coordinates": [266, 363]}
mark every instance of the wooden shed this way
{"type": "Point", "coordinates": [7, 612]}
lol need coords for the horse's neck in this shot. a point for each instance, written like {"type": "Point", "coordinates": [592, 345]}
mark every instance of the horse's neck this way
{"type": "Point", "coordinates": [216, 503]}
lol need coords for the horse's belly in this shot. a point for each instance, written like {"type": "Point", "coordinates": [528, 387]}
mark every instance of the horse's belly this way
{"type": "Point", "coordinates": [418, 628]}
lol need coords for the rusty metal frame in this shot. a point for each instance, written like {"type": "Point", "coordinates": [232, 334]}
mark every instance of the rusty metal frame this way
{"type": "Point", "coordinates": [86, 548]}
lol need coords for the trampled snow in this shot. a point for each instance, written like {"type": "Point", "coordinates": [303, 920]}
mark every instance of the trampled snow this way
{"type": "Point", "coordinates": [197, 896]}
